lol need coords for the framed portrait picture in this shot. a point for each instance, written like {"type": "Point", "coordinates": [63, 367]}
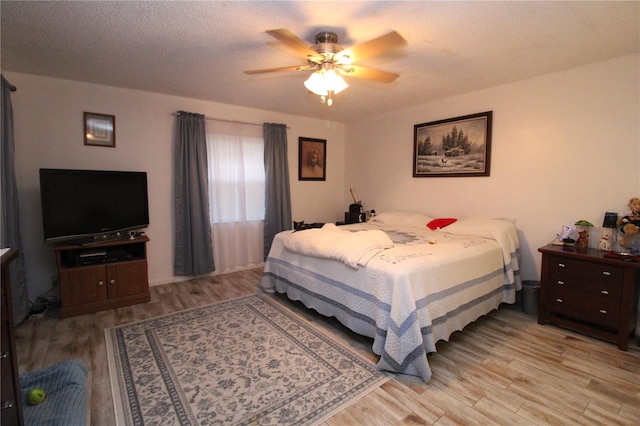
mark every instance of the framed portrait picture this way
{"type": "Point", "coordinates": [99, 129]}
{"type": "Point", "coordinates": [459, 146]}
{"type": "Point", "coordinates": [312, 155]}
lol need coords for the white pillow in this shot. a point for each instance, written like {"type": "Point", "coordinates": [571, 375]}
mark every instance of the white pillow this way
{"type": "Point", "coordinates": [403, 218]}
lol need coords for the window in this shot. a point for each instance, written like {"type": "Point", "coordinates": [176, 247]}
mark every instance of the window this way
{"type": "Point", "coordinates": [236, 172]}
{"type": "Point", "coordinates": [236, 193]}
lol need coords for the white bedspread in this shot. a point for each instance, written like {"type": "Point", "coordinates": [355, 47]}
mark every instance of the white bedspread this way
{"type": "Point", "coordinates": [408, 297]}
{"type": "Point", "coordinates": [352, 248]}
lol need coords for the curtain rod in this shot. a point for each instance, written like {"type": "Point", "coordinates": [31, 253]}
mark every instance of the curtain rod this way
{"type": "Point", "coordinates": [175, 114]}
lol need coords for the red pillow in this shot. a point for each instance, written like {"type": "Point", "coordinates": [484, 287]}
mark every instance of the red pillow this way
{"type": "Point", "coordinates": [440, 223]}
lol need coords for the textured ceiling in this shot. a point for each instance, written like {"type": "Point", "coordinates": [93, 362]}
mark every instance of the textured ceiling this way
{"type": "Point", "coordinates": [199, 49]}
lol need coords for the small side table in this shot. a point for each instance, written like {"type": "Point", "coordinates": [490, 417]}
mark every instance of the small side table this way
{"type": "Point", "coordinates": [588, 292]}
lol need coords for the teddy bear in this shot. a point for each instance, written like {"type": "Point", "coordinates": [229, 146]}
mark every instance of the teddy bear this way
{"type": "Point", "coordinates": [629, 225]}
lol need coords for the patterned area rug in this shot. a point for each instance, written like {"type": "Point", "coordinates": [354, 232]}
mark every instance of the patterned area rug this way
{"type": "Point", "coordinates": [243, 361]}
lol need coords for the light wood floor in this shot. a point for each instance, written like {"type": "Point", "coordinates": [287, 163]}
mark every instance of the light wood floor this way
{"type": "Point", "coordinates": [502, 369]}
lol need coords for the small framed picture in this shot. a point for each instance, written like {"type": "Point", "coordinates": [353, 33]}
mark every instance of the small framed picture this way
{"type": "Point", "coordinates": [99, 129]}
{"type": "Point", "coordinates": [312, 163]}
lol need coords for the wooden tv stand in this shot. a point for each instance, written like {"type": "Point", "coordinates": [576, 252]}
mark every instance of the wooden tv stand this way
{"type": "Point", "coordinates": [101, 276]}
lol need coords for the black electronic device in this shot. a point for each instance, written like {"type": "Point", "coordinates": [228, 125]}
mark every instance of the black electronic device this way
{"type": "Point", "coordinates": [81, 204]}
{"type": "Point", "coordinates": [118, 255]}
{"type": "Point", "coordinates": [87, 258]}
{"type": "Point", "coordinates": [610, 220]}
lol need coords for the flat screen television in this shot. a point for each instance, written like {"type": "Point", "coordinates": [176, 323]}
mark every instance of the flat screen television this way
{"type": "Point", "coordinates": [88, 205]}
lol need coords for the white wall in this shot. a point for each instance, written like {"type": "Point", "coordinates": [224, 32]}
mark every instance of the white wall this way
{"type": "Point", "coordinates": [49, 134]}
{"type": "Point", "coordinates": [565, 147]}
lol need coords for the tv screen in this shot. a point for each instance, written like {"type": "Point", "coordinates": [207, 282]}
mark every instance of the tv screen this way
{"type": "Point", "coordinates": [80, 204]}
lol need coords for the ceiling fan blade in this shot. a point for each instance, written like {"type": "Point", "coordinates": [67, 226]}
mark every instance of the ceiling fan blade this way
{"type": "Point", "coordinates": [372, 74]}
{"type": "Point", "coordinates": [293, 42]}
{"type": "Point", "coordinates": [291, 68]}
{"type": "Point", "coordinates": [373, 47]}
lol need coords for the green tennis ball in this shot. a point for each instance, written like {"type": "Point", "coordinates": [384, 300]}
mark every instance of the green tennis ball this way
{"type": "Point", "coordinates": [35, 396]}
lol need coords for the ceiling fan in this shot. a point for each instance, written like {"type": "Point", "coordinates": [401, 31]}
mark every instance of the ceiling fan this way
{"type": "Point", "coordinates": [328, 60]}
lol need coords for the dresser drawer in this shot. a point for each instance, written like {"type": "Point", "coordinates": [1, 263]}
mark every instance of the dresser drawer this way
{"type": "Point", "coordinates": [592, 289]}
{"type": "Point", "coordinates": [602, 309]}
{"type": "Point", "coordinates": [590, 270]}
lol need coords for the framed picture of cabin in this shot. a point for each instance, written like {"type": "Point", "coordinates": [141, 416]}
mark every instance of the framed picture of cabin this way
{"type": "Point", "coordinates": [99, 129]}
{"type": "Point", "coordinates": [459, 146]}
{"type": "Point", "coordinates": [312, 160]}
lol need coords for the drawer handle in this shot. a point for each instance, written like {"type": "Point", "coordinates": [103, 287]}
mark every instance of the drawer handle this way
{"type": "Point", "coordinates": [7, 405]}
{"type": "Point", "coordinates": [100, 283]}
{"type": "Point", "coordinates": [604, 292]}
{"type": "Point", "coordinates": [112, 282]}
{"type": "Point", "coordinates": [559, 300]}
{"type": "Point", "coordinates": [607, 273]}
{"type": "Point", "coordinates": [561, 282]}
{"type": "Point", "coordinates": [561, 265]}
{"type": "Point", "coordinates": [603, 311]}
{"type": "Point", "coordinates": [3, 355]}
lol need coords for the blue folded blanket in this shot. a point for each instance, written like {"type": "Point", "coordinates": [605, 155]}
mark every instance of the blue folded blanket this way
{"type": "Point", "coordinates": [66, 394]}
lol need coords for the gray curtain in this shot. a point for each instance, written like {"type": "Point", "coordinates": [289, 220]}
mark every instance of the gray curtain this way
{"type": "Point", "coordinates": [10, 227]}
{"type": "Point", "coordinates": [277, 216]}
{"type": "Point", "coordinates": [193, 253]}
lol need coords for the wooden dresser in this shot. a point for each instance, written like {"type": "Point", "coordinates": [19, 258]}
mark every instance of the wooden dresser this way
{"type": "Point", "coordinates": [588, 292]}
{"type": "Point", "coordinates": [10, 402]}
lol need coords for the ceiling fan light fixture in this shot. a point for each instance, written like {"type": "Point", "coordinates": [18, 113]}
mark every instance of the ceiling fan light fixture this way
{"type": "Point", "coordinates": [325, 83]}
{"type": "Point", "coordinates": [315, 84]}
{"type": "Point", "coordinates": [334, 82]}
{"type": "Point", "coordinates": [329, 61]}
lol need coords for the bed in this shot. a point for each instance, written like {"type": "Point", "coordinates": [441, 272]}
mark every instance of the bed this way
{"type": "Point", "coordinates": [406, 292]}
